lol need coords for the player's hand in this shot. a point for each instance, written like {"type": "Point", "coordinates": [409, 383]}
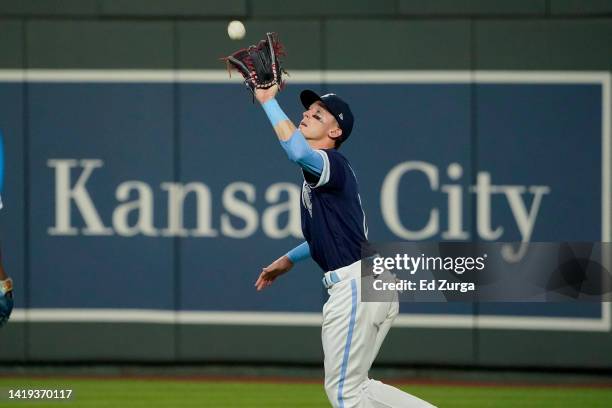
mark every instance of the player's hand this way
{"type": "Point", "coordinates": [273, 271]}
{"type": "Point", "coordinates": [264, 95]}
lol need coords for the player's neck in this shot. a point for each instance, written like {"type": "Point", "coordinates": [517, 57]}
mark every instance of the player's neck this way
{"type": "Point", "coordinates": [321, 144]}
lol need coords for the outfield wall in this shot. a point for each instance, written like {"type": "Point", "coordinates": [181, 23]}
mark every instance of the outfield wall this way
{"type": "Point", "coordinates": [136, 105]}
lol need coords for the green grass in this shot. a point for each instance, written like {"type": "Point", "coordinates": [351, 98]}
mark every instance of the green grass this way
{"type": "Point", "coordinates": [92, 393]}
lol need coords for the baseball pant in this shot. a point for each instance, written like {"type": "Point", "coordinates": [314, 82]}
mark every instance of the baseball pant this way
{"type": "Point", "coordinates": [352, 334]}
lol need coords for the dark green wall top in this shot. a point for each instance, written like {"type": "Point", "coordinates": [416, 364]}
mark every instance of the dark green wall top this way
{"type": "Point", "coordinates": [300, 9]}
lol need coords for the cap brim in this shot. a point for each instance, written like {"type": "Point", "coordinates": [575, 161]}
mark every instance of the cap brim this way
{"type": "Point", "coordinates": [309, 97]}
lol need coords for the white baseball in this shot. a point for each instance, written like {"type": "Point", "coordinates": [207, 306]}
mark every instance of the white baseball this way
{"type": "Point", "coordinates": [236, 30]}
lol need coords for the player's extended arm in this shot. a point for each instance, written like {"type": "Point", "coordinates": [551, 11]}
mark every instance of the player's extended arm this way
{"type": "Point", "coordinates": [290, 138]}
{"type": "Point", "coordinates": [282, 265]}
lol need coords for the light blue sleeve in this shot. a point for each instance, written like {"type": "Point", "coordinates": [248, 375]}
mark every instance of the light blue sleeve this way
{"type": "Point", "coordinates": [300, 152]}
{"type": "Point", "coordinates": [274, 112]}
{"type": "Point", "coordinates": [296, 147]}
{"type": "Point", "coordinates": [299, 253]}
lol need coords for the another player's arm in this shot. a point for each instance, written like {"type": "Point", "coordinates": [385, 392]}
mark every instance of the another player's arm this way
{"type": "Point", "coordinates": [282, 265]}
{"type": "Point", "coordinates": [6, 283]}
{"type": "Point", "coordinates": [6, 296]}
{"type": "Point", "coordinates": [3, 274]}
{"type": "Point", "coordinates": [290, 138]}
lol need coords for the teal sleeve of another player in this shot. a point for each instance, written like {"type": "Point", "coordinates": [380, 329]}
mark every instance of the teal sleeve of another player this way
{"type": "Point", "coordinates": [299, 253]}
{"type": "Point", "coordinates": [1, 164]}
{"type": "Point", "coordinates": [274, 112]}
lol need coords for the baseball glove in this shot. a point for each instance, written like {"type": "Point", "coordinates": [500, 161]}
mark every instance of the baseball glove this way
{"type": "Point", "coordinates": [6, 300]}
{"type": "Point", "coordinates": [259, 65]}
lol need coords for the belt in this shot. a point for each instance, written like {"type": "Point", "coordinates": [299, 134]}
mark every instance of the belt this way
{"type": "Point", "coordinates": [330, 279]}
{"type": "Point", "coordinates": [346, 272]}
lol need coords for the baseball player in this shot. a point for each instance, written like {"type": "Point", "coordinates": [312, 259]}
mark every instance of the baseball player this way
{"type": "Point", "coordinates": [6, 283]}
{"type": "Point", "coordinates": [6, 292]}
{"type": "Point", "coordinates": [334, 226]}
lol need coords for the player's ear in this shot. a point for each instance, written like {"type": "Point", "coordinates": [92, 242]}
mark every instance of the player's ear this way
{"type": "Point", "coordinates": [335, 133]}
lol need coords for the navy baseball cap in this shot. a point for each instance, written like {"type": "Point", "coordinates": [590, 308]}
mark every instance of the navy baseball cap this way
{"type": "Point", "coordinates": [334, 105]}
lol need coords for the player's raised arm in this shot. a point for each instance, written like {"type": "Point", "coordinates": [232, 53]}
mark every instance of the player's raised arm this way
{"type": "Point", "coordinates": [291, 139]}
{"type": "Point", "coordinates": [283, 127]}
{"type": "Point", "coordinates": [262, 69]}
